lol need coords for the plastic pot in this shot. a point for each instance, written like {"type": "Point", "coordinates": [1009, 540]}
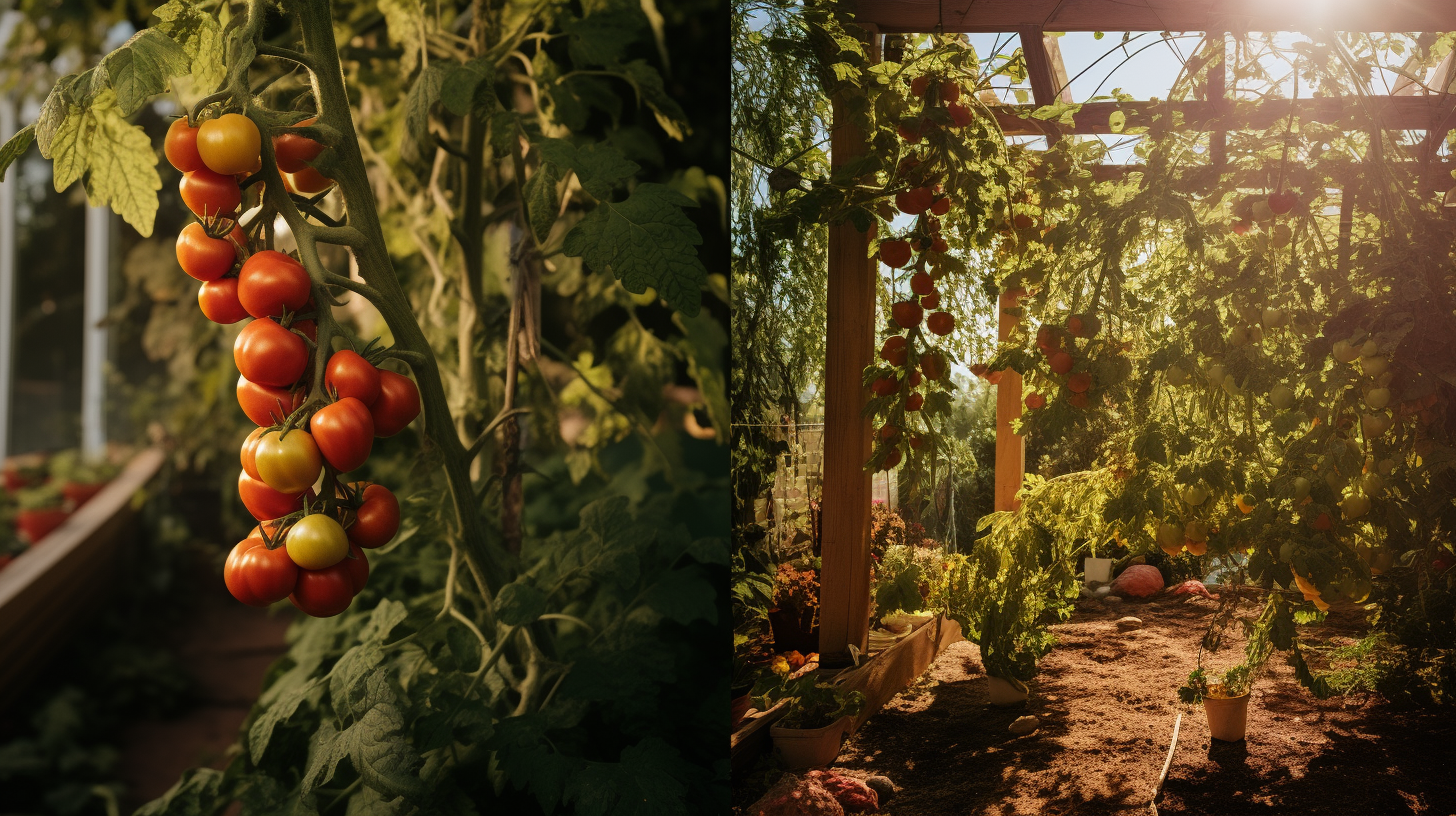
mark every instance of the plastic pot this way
{"type": "Point", "coordinates": [33, 525]}
{"type": "Point", "coordinates": [1228, 717]}
{"type": "Point", "coordinates": [1097, 570]}
{"type": "Point", "coordinates": [803, 748]}
{"type": "Point", "coordinates": [1003, 691]}
{"type": "Point", "coordinates": [793, 631]}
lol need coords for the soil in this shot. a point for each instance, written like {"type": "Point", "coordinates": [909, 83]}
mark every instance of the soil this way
{"type": "Point", "coordinates": [1107, 703]}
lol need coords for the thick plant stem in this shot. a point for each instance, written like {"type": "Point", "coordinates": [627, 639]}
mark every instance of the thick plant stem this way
{"type": "Point", "coordinates": [377, 270]}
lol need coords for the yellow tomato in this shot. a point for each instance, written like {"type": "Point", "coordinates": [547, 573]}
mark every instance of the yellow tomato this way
{"type": "Point", "coordinates": [317, 541]}
{"type": "Point", "coordinates": [288, 463]}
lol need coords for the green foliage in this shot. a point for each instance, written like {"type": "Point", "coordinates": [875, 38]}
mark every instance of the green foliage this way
{"type": "Point", "coordinates": [44, 497]}
{"type": "Point", "coordinates": [812, 703]}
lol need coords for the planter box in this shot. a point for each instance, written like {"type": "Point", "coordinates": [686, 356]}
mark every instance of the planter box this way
{"type": "Point", "coordinates": [803, 748]}
{"type": "Point", "coordinates": [51, 587]}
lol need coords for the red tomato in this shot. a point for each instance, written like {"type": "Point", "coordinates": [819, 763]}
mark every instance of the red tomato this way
{"type": "Point", "coordinates": [266, 405]}
{"type": "Point", "coordinates": [344, 432]}
{"type": "Point", "coordinates": [324, 593]}
{"type": "Point", "coordinates": [309, 181]}
{"type": "Point", "coordinates": [181, 146]}
{"type": "Point", "coordinates": [268, 354]}
{"type": "Point", "coordinates": [350, 375]}
{"type": "Point", "coordinates": [377, 519]}
{"type": "Point", "coordinates": [258, 576]}
{"type": "Point", "coordinates": [271, 283]}
{"type": "Point", "coordinates": [293, 152]}
{"type": "Point", "coordinates": [206, 258]}
{"type": "Point", "coordinates": [265, 503]}
{"type": "Point", "coordinates": [208, 194]}
{"type": "Point", "coordinates": [357, 566]}
{"type": "Point", "coordinates": [308, 327]}
{"type": "Point", "coordinates": [941, 323]}
{"type": "Point", "coordinates": [398, 403]}
{"type": "Point", "coordinates": [907, 314]}
{"type": "Point", "coordinates": [219, 301]}
{"type": "Point", "coordinates": [248, 454]}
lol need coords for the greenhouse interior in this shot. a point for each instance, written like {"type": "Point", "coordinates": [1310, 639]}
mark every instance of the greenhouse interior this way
{"type": "Point", "coordinates": [1091, 434]}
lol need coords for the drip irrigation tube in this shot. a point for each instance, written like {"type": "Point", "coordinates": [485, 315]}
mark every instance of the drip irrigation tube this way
{"type": "Point", "coordinates": [1167, 764]}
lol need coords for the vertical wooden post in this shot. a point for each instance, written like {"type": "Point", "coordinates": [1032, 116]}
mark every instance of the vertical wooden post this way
{"type": "Point", "coordinates": [1216, 92]}
{"type": "Point", "coordinates": [1039, 70]}
{"type": "Point", "coordinates": [1010, 448]}
{"type": "Point", "coordinates": [844, 578]}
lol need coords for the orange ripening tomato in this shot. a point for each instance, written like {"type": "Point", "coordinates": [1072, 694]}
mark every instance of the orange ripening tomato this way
{"type": "Point", "coordinates": [249, 452]}
{"type": "Point", "coordinates": [263, 502]}
{"type": "Point", "coordinates": [208, 194]}
{"type": "Point", "coordinates": [230, 144]}
{"type": "Point", "coordinates": [204, 257]}
{"type": "Point", "coordinates": [309, 181]}
{"type": "Point", "coordinates": [218, 300]}
{"type": "Point", "coordinates": [267, 405]}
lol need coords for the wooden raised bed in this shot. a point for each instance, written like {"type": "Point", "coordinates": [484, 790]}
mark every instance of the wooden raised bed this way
{"type": "Point", "coordinates": [46, 590]}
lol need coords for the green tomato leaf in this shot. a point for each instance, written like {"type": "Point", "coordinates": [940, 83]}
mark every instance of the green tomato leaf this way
{"type": "Point", "coordinates": [1116, 121]}
{"type": "Point", "coordinates": [652, 93]}
{"type": "Point", "coordinates": [685, 595]}
{"type": "Point", "coordinates": [357, 682]}
{"type": "Point", "coordinates": [197, 792]}
{"type": "Point", "coordinates": [15, 147]}
{"type": "Point", "coordinates": [260, 733]}
{"type": "Point", "coordinates": [543, 199]}
{"type": "Point", "coordinates": [405, 20]}
{"type": "Point", "coordinates": [200, 35]}
{"type": "Point", "coordinates": [599, 167]}
{"type": "Point", "coordinates": [422, 96]}
{"type": "Point", "coordinates": [641, 784]}
{"type": "Point", "coordinates": [519, 603]}
{"type": "Point", "coordinates": [123, 165]}
{"type": "Point", "coordinates": [704, 345]}
{"type": "Point", "coordinates": [528, 762]}
{"type": "Point", "coordinates": [70, 148]}
{"type": "Point", "coordinates": [143, 68]}
{"type": "Point", "coordinates": [645, 241]}
{"type": "Point", "coordinates": [600, 38]}
{"type": "Point", "coordinates": [464, 87]}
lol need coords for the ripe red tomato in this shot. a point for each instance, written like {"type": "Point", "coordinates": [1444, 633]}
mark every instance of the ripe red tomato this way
{"type": "Point", "coordinates": [914, 402]}
{"type": "Point", "coordinates": [1079, 383]}
{"type": "Point", "coordinates": [248, 454]}
{"type": "Point", "coordinates": [350, 375]}
{"type": "Point", "coordinates": [206, 258]}
{"type": "Point", "coordinates": [271, 283]}
{"type": "Point", "coordinates": [950, 91]}
{"type": "Point", "coordinates": [884, 386]}
{"type": "Point", "coordinates": [324, 593]}
{"type": "Point", "coordinates": [907, 314]}
{"type": "Point", "coordinates": [1035, 401]}
{"type": "Point", "coordinates": [265, 503]}
{"type": "Point", "coordinates": [309, 181]}
{"type": "Point", "coordinates": [266, 405]}
{"type": "Point", "coordinates": [895, 254]}
{"type": "Point", "coordinates": [1061, 362]}
{"type": "Point", "coordinates": [180, 146]}
{"type": "Point", "coordinates": [218, 300]}
{"type": "Point", "coordinates": [293, 152]}
{"type": "Point", "coordinates": [1078, 400]}
{"type": "Point", "coordinates": [229, 144]}
{"type": "Point", "coordinates": [1281, 203]}
{"type": "Point", "coordinates": [398, 403]}
{"type": "Point", "coordinates": [308, 327]}
{"type": "Point", "coordinates": [258, 576]}
{"type": "Point", "coordinates": [919, 85]}
{"type": "Point", "coordinates": [921, 284]}
{"type": "Point", "coordinates": [933, 365]}
{"type": "Point", "coordinates": [930, 301]}
{"type": "Point", "coordinates": [941, 323]}
{"type": "Point", "coordinates": [357, 568]}
{"type": "Point", "coordinates": [892, 459]}
{"type": "Point", "coordinates": [344, 432]}
{"type": "Point", "coordinates": [941, 207]}
{"type": "Point", "coordinates": [916, 201]}
{"type": "Point", "coordinates": [960, 114]}
{"type": "Point", "coordinates": [895, 349]}
{"type": "Point", "coordinates": [209, 194]}
{"type": "Point", "coordinates": [287, 462]}
{"type": "Point", "coordinates": [377, 519]}
{"type": "Point", "coordinates": [268, 354]}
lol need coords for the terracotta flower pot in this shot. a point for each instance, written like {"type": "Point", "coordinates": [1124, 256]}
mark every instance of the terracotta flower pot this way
{"type": "Point", "coordinates": [34, 525]}
{"type": "Point", "coordinates": [809, 747]}
{"type": "Point", "coordinates": [79, 493]}
{"type": "Point", "coordinates": [1228, 717]}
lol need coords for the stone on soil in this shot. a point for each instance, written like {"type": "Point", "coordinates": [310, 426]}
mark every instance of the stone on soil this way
{"type": "Point", "coordinates": [1139, 581]}
{"type": "Point", "coordinates": [1112, 599]}
{"type": "Point", "coordinates": [797, 796]}
{"type": "Point", "coordinates": [1128, 623]}
{"type": "Point", "coordinates": [1025, 725]}
{"type": "Point", "coordinates": [852, 794]}
{"type": "Point", "coordinates": [882, 786]}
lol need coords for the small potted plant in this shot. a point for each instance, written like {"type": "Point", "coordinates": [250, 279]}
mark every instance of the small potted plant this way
{"type": "Point", "coordinates": [1225, 700]}
{"type": "Point", "coordinates": [25, 470]}
{"type": "Point", "coordinates": [812, 729]}
{"type": "Point", "coordinates": [794, 617]}
{"type": "Point", "coordinates": [80, 478]}
{"type": "Point", "coordinates": [42, 509]}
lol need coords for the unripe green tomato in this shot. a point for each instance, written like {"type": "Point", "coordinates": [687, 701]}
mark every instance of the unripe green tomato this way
{"type": "Point", "coordinates": [1177, 376]}
{"type": "Point", "coordinates": [317, 541]}
{"type": "Point", "coordinates": [1281, 397]}
{"type": "Point", "coordinates": [1369, 349]}
{"type": "Point", "coordinates": [1374, 366]}
{"type": "Point", "coordinates": [1377, 398]}
{"type": "Point", "coordinates": [1301, 489]}
{"type": "Point", "coordinates": [1345, 351]}
{"type": "Point", "coordinates": [1355, 506]}
{"type": "Point", "coordinates": [1215, 375]}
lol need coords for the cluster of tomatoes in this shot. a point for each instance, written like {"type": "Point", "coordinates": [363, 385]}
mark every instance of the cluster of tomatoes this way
{"type": "Point", "coordinates": [916, 251]}
{"type": "Point", "coordinates": [1058, 345]}
{"type": "Point", "coordinates": [1263, 209]}
{"type": "Point", "coordinates": [307, 548]}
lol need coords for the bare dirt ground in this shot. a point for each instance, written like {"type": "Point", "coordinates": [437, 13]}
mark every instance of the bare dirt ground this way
{"type": "Point", "coordinates": [1107, 702]}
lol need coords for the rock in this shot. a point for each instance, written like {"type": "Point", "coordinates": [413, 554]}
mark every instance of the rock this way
{"type": "Point", "coordinates": [1139, 581]}
{"type": "Point", "coordinates": [882, 786]}
{"type": "Point", "coordinates": [797, 796]}
{"type": "Point", "coordinates": [1102, 592]}
{"type": "Point", "coordinates": [852, 794]}
{"type": "Point", "coordinates": [1025, 725]}
{"type": "Point", "coordinates": [1112, 599]}
{"type": "Point", "coordinates": [1129, 623]}
{"type": "Point", "coordinates": [1084, 592]}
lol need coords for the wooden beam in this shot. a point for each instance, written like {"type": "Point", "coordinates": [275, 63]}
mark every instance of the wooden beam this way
{"type": "Point", "coordinates": [972, 16]}
{"type": "Point", "coordinates": [1435, 177]}
{"type": "Point", "coordinates": [1039, 71]}
{"type": "Point", "coordinates": [1010, 448]}
{"type": "Point", "coordinates": [844, 577]}
{"type": "Point", "coordinates": [1217, 93]}
{"type": "Point", "coordinates": [1391, 112]}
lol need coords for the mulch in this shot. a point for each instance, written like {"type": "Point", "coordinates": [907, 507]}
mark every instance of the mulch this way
{"type": "Point", "coordinates": [1107, 703]}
